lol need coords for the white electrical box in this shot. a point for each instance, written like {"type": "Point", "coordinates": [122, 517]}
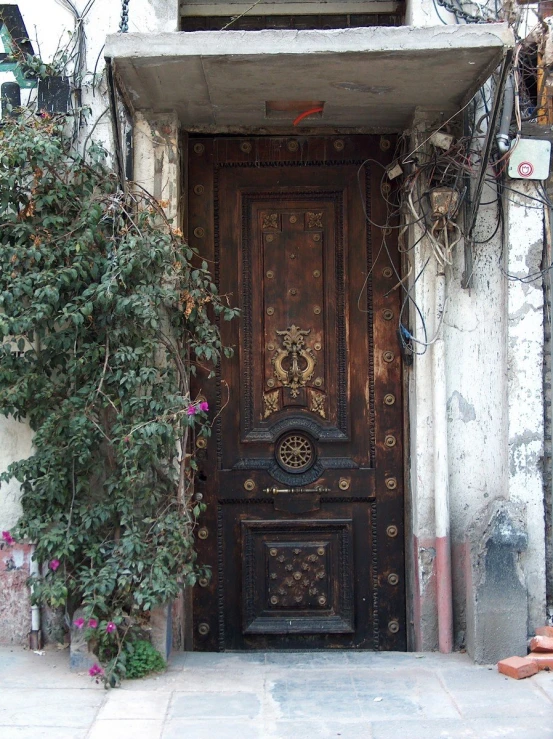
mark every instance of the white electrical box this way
{"type": "Point", "coordinates": [530, 160]}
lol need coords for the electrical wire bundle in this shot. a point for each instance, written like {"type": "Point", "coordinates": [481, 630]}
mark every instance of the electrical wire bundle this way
{"type": "Point", "coordinates": [409, 205]}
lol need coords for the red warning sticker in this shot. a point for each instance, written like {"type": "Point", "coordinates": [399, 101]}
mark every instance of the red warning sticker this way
{"type": "Point", "coordinates": [525, 169]}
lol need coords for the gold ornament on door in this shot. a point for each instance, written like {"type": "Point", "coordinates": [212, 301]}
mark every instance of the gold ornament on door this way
{"type": "Point", "coordinates": [294, 363]}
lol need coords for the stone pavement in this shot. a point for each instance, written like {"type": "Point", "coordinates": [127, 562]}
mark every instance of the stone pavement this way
{"type": "Point", "coordinates": [275, 696]}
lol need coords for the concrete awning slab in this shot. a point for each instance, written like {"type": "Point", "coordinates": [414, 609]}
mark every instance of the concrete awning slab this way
{"type": "Point", "coordinates": [372, 78]}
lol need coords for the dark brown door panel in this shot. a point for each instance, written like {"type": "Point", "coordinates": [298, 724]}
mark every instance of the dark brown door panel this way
{"type": "Point", "coordinates": [303, 473]}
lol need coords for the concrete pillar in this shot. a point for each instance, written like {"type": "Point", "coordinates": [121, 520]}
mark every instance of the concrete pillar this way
{"type": "Point", "coordinates": [505, 555]}
{"type": "Point", "coordinates": [157, 160]}
{"type": "Point", "coordinates": [525, 342]}
{"type": "Point", "coordinates": [15, 606]}
{"type": "Point", "coordinates": [422, 524]}
{"type": "Point", "coordinates": [493, 336]}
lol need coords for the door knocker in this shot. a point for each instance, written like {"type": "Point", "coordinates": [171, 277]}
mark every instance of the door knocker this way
{"type": "Point", "coordinates": [294, 363]}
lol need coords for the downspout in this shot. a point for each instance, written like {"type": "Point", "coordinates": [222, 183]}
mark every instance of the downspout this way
{"type": "Point", "coordinates": [444, 595]}
{"type": "Point", "coordinates": [503, 139]}
{"type": "Point", "coordinates": [546, 14]}
{"type": "Point", "coordinates": [35, 637]}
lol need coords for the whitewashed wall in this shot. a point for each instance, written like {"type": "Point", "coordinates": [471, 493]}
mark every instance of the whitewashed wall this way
{"type": "Point", "coordinates": [493, 336]}
{"type": "Point", "coordinates": [525, 342]}
{"type": "Point", "coordinates": [494, 377]}
{"type": "Point", "coordinates": [49, 26]}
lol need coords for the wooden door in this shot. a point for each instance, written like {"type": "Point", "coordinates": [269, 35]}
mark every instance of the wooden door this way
{"type": "Point", "coordinates": [303, 473]}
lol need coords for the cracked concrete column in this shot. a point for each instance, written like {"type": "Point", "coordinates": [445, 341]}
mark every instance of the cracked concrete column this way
{"type": "Point", "coordinates": [525, 340]}
{"type": "Point", "coordinates": [505, 555]}
{"type": "Point", "coordinates": [157, 159]}
{"type": "Point", "coordinates": [493, 336]}
{"type": "Point", "coordinates": [421, 556]}
{"type": "Point", "coordinates": [157, 169]}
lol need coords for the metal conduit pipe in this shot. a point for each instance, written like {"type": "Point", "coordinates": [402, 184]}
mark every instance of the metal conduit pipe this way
{"type": "Point", "coordinates": [503, 139]}
{"type": "Point", "coordinates": [444, 595]}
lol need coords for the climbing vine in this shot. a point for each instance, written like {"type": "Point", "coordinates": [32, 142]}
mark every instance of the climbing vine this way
{"type": "Point", "coordinates": [105, 311]}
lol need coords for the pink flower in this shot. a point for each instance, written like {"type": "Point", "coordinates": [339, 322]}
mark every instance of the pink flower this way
{"type": "Point", "coordinates": [79, 623]}
{"type": "Point", "coordinates": [127, 439]}
{"type": "Point", "coordinates": [204, 405]}
{"type": "Point", "coordinates": [92, 623]}
{"type": "Point", "coordinates": [95, 670]}
{"type": "Point", "coordinates": [8, 538]}
{"type": "Point", "coordinates": [111, 627]}
{"type": "Point", "coordinates": [54, 564]}
{"type": "Point", "coordinates": [191, 410]}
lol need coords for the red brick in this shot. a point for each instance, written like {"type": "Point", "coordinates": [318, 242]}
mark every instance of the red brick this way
{"type": "Point", "coordinates": [542, 660]}
{"type": "Point", "coordinates": [545, 631]}
{"type": "Point", "coordinates": [541, 644]}
{"type": "Point", "coordinates": [517, 667]}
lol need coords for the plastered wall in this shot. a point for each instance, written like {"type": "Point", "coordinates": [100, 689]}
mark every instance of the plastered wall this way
{"type": "Point", "coordinates": [493, 337]}
{"type": "Point", "coordinates": [50, 26]}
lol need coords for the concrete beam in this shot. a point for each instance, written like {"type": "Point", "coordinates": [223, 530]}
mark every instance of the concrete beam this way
{"type": "Point", "coordinates": [371, 77]}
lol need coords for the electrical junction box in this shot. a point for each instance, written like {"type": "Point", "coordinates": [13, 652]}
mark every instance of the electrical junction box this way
{"type": "Point", "coordinates": [394, 170]}
{"type": "Point", "coordinates": [530, 160]}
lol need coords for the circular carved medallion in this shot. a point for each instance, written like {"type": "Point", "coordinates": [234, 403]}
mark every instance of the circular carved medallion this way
{"type": "Point", "coordinates": [295, 452]}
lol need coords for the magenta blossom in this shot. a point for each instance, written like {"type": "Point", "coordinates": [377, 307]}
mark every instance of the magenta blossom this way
{"type": "Point", "coordinates": [54, 564]}
{"type": "Point", "coordinates": [191, 410]}
{"type": "Point", "coordinates": [95, 670]}
{"type": "Point", "coordinates": [111, 627]}
{"type": "Point", "coordinates": [204, 405]}
{"type": "Point", "coordinates": [79, 623]}
{"type": "Point", "coordinates": [92, 623]}
{"type": "Point", "coordinates": [8, 538]}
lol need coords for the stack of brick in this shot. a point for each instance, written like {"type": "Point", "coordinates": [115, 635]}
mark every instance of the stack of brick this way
{"type": "Point", "coordinates": [540, 657]}
{"type": "Point", "coordinates": [541, 648]}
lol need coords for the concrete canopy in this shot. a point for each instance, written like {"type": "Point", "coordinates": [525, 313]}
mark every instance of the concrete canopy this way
{"type": "Point", "coordinates": [370, 78]}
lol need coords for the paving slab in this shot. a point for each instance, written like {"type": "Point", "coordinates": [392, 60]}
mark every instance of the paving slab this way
{"type": "Point", "coordinates": [477, 704]}
{"type": "Point", "coordinates": [285, 695]}
{"type": "Point", "coordinates": [45, 732]}
{"type": "Point", "coordinates": [468, 729]}
{"type": "Point", "coordinates": [140, 704]}
{"type": "Point", "coordinates": [543, 681]}
{"type": "Point", "coordinates": [49, 706]}
{"type": "Point", "coordinates": [321, 730]}
{"type": "Point", "coordinates": [207, 706]}
{"type": "Point", "coordinates": [126, 729]}
{"type": "Point", "coordinates": [179, 729]}
{"type": "Point", "coordinates": [211, 681]}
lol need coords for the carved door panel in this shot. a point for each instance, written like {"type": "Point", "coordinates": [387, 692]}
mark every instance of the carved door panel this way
{"type": "Point", "coordinates": [303, 473]}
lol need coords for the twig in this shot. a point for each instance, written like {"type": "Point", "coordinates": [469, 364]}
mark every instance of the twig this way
{"type": "Point", "coordinates": [100, 429]}
{"type": "Point", "coordinates": [94, 128]}
{"type": "Point", "coordinates": [99, 390]}
{"type": "Point", "coordinates": [110, 401]}
{"type": "Point", "coordinates": [237, 18]}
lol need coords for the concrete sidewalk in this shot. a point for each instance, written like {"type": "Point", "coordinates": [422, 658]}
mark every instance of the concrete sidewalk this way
{"type": "Point", "coordinates": [275, 696]}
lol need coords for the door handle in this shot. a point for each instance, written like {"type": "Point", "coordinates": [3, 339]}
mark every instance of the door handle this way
{"type": "Point", "coordinates": [276, 491]}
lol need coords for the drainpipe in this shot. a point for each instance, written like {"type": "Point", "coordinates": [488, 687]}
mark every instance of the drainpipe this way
{"type": "Point", "coordinates": [441, 480]}
{"type": "Point", "coordinates": [503, 139]}
{"type": "Point", "coordinates": [545, 14]}
{"type": "Point", "coordinates": [35, 637]}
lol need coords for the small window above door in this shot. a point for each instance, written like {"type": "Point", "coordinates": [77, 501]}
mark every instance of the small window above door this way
{"type": "Point", "coordinates": [199, 15]}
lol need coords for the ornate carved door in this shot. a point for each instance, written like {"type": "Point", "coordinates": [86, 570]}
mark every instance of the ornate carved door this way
{"type": "Point", "coordinates": [303, 473]}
